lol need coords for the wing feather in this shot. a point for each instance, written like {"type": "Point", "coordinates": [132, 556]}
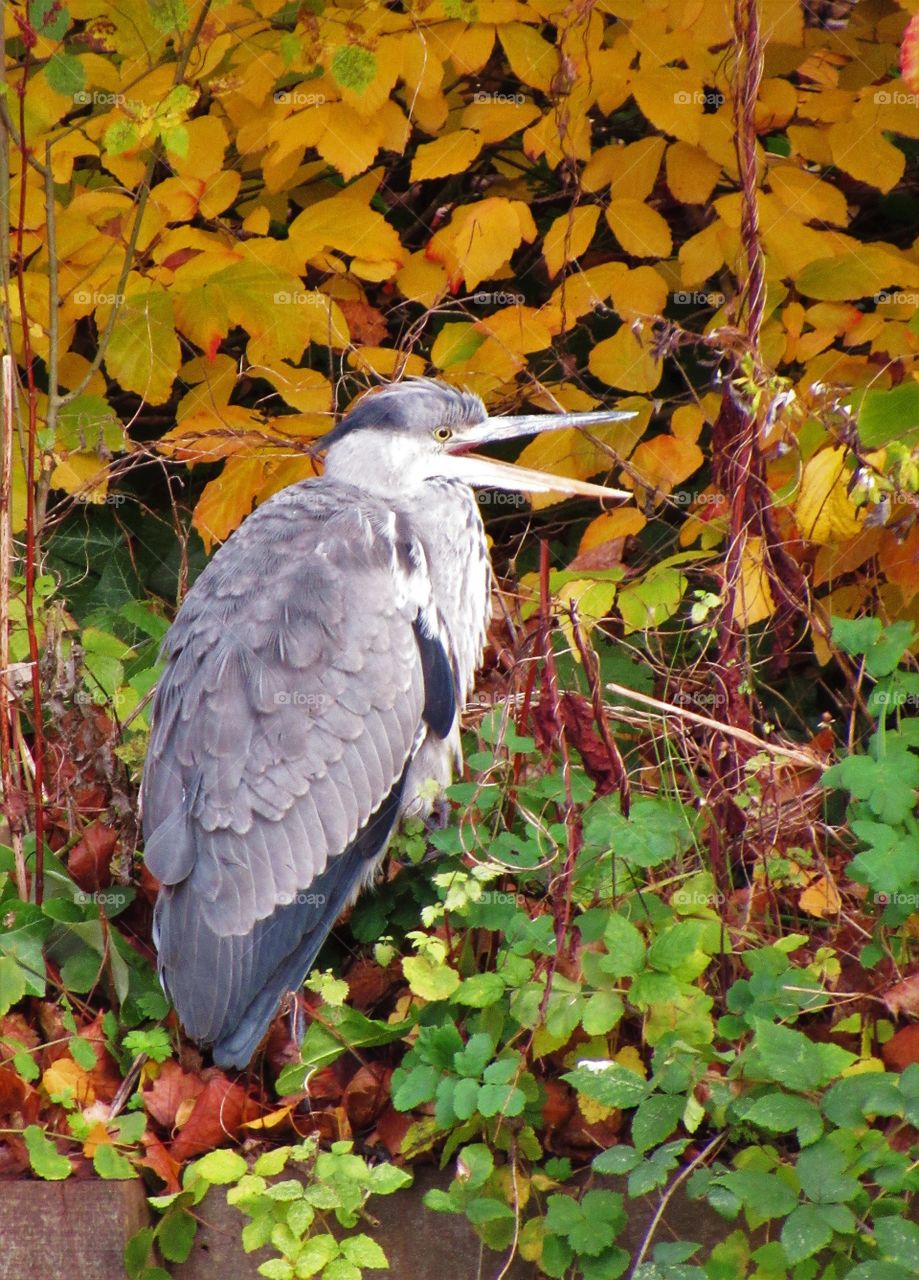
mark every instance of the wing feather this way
{"type": "Point", "coordinates": [283, 729]}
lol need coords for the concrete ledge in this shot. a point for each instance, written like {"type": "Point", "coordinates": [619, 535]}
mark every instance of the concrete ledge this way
{"type": "Point", "coordinates": [73, 1230]}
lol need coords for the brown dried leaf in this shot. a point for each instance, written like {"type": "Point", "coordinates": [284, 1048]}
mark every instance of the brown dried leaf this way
{"type": "Point", "coordinates": [902, 1049]}
{"type": "Point", "coordinates": [366, 1095]}
{"type": "Point", "coordinates": [171, 1088]}
{"type": "Point", "coordinates": [904, 997]}
{"type": "Point", "coordinates": [218, 1115]}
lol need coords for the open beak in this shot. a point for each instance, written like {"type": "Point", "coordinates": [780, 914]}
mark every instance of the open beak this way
{"type": "Point", "coordinates": [491, 474]}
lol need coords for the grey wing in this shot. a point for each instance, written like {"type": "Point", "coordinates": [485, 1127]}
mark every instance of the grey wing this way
{"type": "Point", "coordinates": [300, 684]}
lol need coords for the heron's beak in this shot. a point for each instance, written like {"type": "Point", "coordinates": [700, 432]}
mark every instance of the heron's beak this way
{"type": "Point", "coordinates": [491, 474]}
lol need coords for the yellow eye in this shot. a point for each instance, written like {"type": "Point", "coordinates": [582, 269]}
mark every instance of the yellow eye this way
{"type": "Point", "coordinates": [443, 434]}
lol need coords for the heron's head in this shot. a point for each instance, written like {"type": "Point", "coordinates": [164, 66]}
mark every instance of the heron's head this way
{"type": "Point", "coordinates": [416, 430]}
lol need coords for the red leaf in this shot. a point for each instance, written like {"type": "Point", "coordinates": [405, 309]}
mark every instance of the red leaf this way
{"type": "Point", "coordinates": [218, 1115]}
{"type": "Point", "coordinates": [169, 1090]}
{"type": "Point", "coordinates": [160, 1161]}
{"type": "Point", "coordinates": [902, 1049]}
{"type": "Point", "coordinates": [89, 859]}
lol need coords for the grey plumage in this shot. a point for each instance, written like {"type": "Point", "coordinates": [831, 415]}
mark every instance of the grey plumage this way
{"type": "Point", "coordinates": [314, 677]}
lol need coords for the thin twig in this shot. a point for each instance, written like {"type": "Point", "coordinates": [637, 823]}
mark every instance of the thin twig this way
{"type": "Point", "coordinates": [796, 754]}
{"type": "Point", "coordinates": [708, 1150]}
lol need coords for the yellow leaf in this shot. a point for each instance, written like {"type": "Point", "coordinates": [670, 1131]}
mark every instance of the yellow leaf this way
{"type": "Point", "coordinates": [775, 106]}
{"type": "Point", "coordinates": [219, 192]}
{"type": "Point", "coordinates": [824, 511]}
{"type": "Point", "coordinates": [480, 238]}
{"type": "Point", "coordinates": [350, 142]}
{"type": "Point", "coordinates": [665, 461]}
{"type": "Point", "coordinates": [691, 174]}
{"type": "Point", "coordinates": [625, 361]}
{"type": "Point", "coordinates": [81, 473]}
{"type": "Point", "coordinates": [523, 329]}
{"type": "Point", "coordinates": [207, 434]}
{"type": "Point", "coordinates": [496, 120]}
{"type": "Point", "coordinates": [639, 292]}
{"type": "Point", "coordinates": [471, 47]}
{"type": "Point", "coordinates": [807, 196]}
{"type": "Point", "coordinates": [271, 1120]}
{"type": "Point", "coordinates": [143, 353]}
{"type": "Point", "coordinates": [585, 290]}
{"type": "Point", "coordinates": [304, 389]}
{"type": "Point", "coordinates": [624, 522]}
{"type": "Point", "coordinates": [640, 229]}
{"type": "Point", "coordinates": [860, 149]}
{"type": "Point", "coordinates": [569, 236]}
{"type": "Point", "coordinates": [421, 280]}
{"type": "Point", "coordinates": [212, 383]}
{"type": "Point", "coordinates": [672, 100]}
{"type": "Point", "coordinates": [687, 422]}
{"type": "Point", "coordinates": [532, 59]}
{"type": "Point", "coordinates": [821, 898]}
{"type": "Point", "coordinates": [452, 153]}
{"type": "Point", "coordinates": [631, 171]}
{"type": "Point", "coordinates": [97, 1137]}
{"type": "Point", "coordinates": [701, 255]}
{"type": "Point", "coordinates": [387, 361]}
{"type": "Point", "coordinates": [349, 226]}
{"type": "Point", "coordinates": [754, 600]}
{"type": "Point", "coordinates": [68, 1077]}
{"type": "Point", "coordinates": [227, 501]}
{"type": "Point", "coordinates": [207, 144]}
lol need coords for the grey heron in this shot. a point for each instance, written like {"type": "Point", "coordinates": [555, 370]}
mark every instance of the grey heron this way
{"type": "Point", "coordinates": [316, 672]}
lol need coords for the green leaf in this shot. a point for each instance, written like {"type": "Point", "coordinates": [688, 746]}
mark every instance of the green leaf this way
{"type": "Point", "coordinates": [364, 1252]}
{"type": "Point", "coordinates": [109, 1163]}
{"type": "Point", "coordinates": [65, 74]}
{"type": "Point", "coordinates": [656, 1119]}
{"type": "Point", "coordinates": [763, 1195]}
{"type": "Point", "coordinates": [137, 1251]}
{"type": "Point", "coordinates": [791, 1058]}
{"type": "Point", "coordinates": [428, 979]}
{"type": "Point", "coordinates": [898, 1240]}
{"type": "Point", "coordinates": [481, 990]}
{"type": "Point", "coordinates": [616, 1160]}
{"type": "Point", "coordinates": [44, 1157]}
{"type": "Point", "coordinates": [353, 67]}
{"type": "Point", "coordinates": [13, 984]}
{"type": "Point", "coordinates": [889, 415]}
{"type": "Point", "coordinates": [804, 1232]}
{"type": "Point", "coordinates": [175, 1235]}
{"type": "Point", "coordinates": [475, 1164]}
{"type": "Point", "coordinates": [626, 948]}
{"type": "Point", "coordinates": [781, 1112]}
{"type": "Point", "coordinates": [49, 18]}
{"type": "Point", "coordinates": [220, 1167]}
{"type": "Point", "coordinates": [475, 1057]}
{"type": "Point", "coordinates": [823, 1172]}
{"type": "Point", "coordinates": [384, 1179]}
{"type": "Point", "coordinates": [411, 1088]}
{"type": "Point", "coordinates": [611, 1084]}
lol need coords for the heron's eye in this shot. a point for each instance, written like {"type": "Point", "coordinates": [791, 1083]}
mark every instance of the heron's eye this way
{"type": "Point", "coordinates": [443, 434]}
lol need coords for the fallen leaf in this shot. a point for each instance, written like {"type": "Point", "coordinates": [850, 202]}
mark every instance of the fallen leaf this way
{"type": "Point", "coordinates": [171, 1088]}
{"type": "Point", "coordinates": [904, 997]}
{"type": "Point", "coordinates": [220, 1111]}
{"type": "Point", "coordinates": [902, 1049]}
